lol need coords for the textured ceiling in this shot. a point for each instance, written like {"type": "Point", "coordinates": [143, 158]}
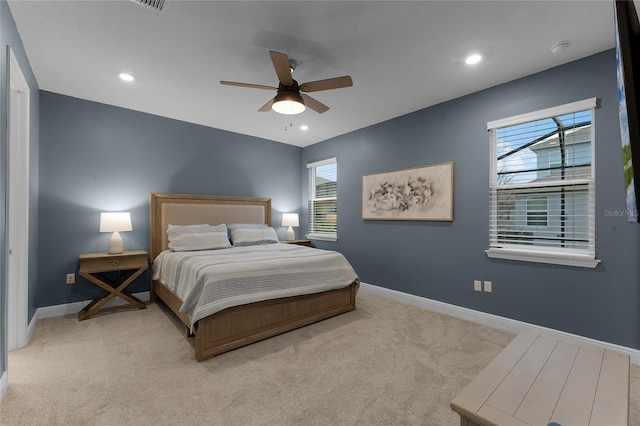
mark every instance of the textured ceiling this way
{"type": "Point", "coordinates": [403, 56]}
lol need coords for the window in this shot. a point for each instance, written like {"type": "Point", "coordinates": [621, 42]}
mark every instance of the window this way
{"type": "Point", "coordinates": [323, 200]}
{"type": "Point", "coordinates": [542, 186]}
{"type": "Point", "coordinates": [537, 210]}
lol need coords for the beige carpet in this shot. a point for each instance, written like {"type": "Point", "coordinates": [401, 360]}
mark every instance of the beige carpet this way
{"type": "Point", "coordinates": [384, 364]}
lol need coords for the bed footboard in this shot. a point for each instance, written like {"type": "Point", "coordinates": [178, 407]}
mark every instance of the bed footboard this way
{"type": "Point", "coordinates": [242, 325]}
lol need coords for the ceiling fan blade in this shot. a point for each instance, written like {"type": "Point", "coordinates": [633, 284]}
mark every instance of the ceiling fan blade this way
{"type": "Point", "coordinates": [266, 107]}
{"type": "Point", "coordinates": [281, 64]}
{"type": "Point", "coordinates": [317, 106]}
{"type": "Point", "coordinates": [249, 85]}
{"type": "Point", "coordinates": [328, 84]}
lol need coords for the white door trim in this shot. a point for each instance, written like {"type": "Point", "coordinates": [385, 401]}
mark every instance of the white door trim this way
{"type": "Point", "coordinates": [17, 220]}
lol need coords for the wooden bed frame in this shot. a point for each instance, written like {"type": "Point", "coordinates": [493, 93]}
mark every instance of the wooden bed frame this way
{"type": "Point", "coordinates": [240, 325]}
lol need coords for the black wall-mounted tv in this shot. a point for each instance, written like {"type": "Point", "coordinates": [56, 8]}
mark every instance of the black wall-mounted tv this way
{"type": "Point", "coordinates": [628, 63]}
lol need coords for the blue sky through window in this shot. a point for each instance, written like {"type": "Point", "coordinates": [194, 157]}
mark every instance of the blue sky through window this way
{"type": "Point", "coordinates": [518, 145]}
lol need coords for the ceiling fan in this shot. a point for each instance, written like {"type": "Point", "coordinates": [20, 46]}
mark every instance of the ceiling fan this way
{"type": "Point", "coordinates": [289, 100]}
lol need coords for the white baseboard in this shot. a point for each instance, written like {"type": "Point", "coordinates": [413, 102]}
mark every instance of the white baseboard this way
{"type": "Point", "coordinates": [491, 320]}
{"type": "Point", "coordinates": [73, 308]}
{"type": "Point", "coordinates": [4, 384]}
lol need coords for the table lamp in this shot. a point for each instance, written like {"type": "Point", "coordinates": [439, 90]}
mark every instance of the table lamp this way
{"type": "Point", "coordinates": [115, 222]}
{"type": "Point", "coordinates": [290, 219]}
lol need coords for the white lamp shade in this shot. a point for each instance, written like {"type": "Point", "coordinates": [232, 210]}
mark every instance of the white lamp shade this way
{"type": "Point", "coordinates": [115, 222]}
{"type": "Point", "coordinates": [290, 219]}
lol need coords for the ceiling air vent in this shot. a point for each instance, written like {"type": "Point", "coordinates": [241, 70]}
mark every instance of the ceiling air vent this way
{"type": "Point", "coordinates": [153, 4]}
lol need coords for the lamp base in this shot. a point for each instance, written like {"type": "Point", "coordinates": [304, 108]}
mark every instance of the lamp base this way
{"type": "Point", "coordinates": [116, 246]}
{"type": "Point", "coordinates": [290, 235]}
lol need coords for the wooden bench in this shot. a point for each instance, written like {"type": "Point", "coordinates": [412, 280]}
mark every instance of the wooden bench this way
{"type": "Point", "coordinates": [541, 378]}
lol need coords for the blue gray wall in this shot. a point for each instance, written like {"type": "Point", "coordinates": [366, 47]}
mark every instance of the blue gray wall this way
{"type": "Point", "coordinates": [9, 37]}
{"type": "Point", "coordinates": [440, 260]}
{"type": "Point", "coordinates": [95, 157]}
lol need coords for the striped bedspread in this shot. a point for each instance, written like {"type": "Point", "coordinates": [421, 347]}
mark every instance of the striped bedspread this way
{"type": "Point", "coordinates": [212, 280]}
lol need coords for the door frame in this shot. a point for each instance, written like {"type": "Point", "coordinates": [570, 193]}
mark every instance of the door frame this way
{"type": "Point", "coordinates": [17, 210]}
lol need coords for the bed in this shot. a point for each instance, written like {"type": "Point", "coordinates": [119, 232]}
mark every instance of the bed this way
{"type": "Point", "coordinates": [235, 326]}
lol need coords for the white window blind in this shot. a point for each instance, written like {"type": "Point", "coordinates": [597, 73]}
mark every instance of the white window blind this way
{"type": "Point", "coordinates": [323, 199]}
{"type": "Point", "coordinates": [542, 186]}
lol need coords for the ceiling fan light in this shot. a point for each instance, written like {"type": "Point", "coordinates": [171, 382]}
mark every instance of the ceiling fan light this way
{"type": "Point", "coordinates": [289, 103]}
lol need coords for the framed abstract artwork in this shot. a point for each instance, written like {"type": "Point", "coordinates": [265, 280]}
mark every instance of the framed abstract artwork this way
{"type": "Point", "coordinates": [420, 193]}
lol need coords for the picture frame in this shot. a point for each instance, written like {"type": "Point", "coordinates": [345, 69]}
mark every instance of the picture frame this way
{"type": "Point", "coordinates": [418, 193]}
{"type": "Point", "coordinates": [628, 70]}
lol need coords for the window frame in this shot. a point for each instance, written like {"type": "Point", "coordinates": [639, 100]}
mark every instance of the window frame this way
{"type": "Point", "coordinates": [533, 253]}
{"type": "Point", "coordinates": [311, 199]}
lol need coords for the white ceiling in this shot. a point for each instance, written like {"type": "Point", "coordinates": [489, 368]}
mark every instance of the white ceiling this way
{"type": "Point", "coordinates": [402, 55]}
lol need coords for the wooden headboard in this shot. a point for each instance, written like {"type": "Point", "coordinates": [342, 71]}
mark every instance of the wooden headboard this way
{"type": "Point", "coordinates": [185, 209]}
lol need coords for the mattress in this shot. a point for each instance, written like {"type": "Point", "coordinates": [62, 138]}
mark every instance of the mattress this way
{"type": "Point", "coordinates": [209, 281]}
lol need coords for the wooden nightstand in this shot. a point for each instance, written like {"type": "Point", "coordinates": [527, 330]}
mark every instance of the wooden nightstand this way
{"type": "Point", "coordinates": [298, 242]}
{"type": "Point", "coordinates": [130, 263]}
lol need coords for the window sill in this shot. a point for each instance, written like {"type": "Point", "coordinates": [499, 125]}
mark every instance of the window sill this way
{"type": "Point", "coordinates": [322, 237]}
{"type": "Point", "coordinates": [551, 258]}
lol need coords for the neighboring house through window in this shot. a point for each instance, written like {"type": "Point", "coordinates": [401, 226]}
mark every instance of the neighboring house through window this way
{"type": "Point", "coordinates": [323, 200]}
{"type": "Point", "coordinates": [542, 186]}
{"type": "Point", "coordinates": [537, 210]}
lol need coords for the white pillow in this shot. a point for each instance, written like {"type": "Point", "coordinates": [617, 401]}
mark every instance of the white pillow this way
{"type": "Point", "coordinates": [253, 236]}
{"type": "Point", "coordinates": [197, 237]}
{"type": "Point", "coordinates": [200, 241]}
{"type": "Point", "coordinates": [175, 230]}
{"type": "Point", "coordinates": [247, 225]}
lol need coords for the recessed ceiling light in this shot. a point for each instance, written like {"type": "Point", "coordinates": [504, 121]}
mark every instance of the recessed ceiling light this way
{"type": "Point", "coordinates": [125, 76]}
{"type": "Point", "coordinates": [304, 127]}
{"type": "Point", "coordinates": [560, 47]}
{"type": "Point", "coordinates": [473, 59]}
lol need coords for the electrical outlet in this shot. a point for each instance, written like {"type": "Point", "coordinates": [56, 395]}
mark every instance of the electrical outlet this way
{"type": "Point", "coordinates": [477, 285]}
{"type": "Point", "coordinates": [488, 286]}
{"type": "Point", "coordinates": [71, 278]}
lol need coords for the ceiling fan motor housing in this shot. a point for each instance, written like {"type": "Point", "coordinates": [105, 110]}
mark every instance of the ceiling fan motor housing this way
{"type": "Point", "coordinates": [294, 88]}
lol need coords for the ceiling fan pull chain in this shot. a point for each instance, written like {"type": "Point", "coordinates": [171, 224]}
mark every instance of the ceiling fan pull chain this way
{"type": "Point", "coordinates": [286, 118]}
